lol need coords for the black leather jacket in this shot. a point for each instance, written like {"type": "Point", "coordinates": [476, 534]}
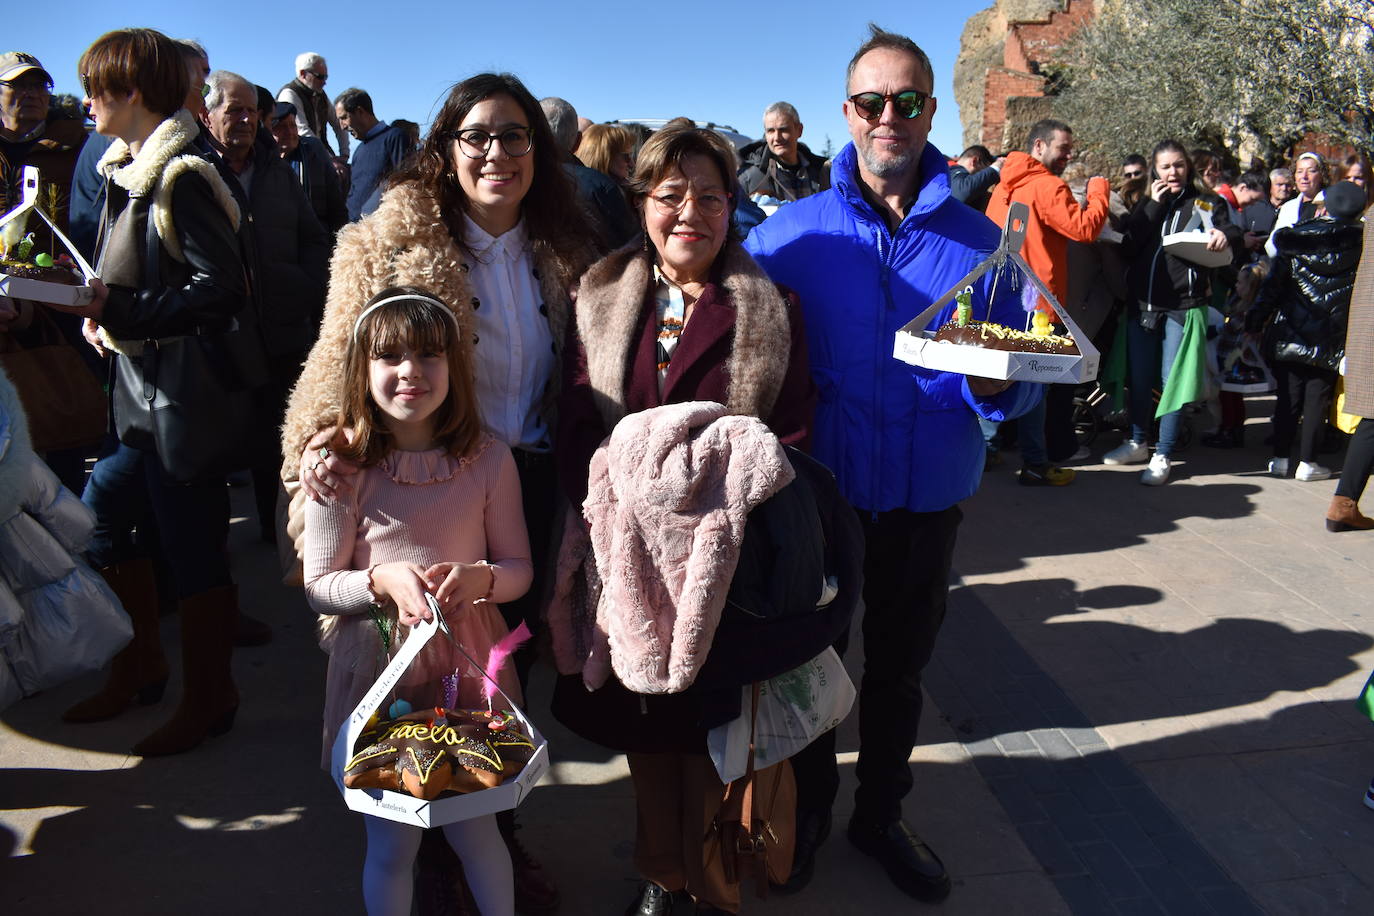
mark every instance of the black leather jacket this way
{"type": "Point", "coordinates": [1159, 281]}
{"type": "Point", "coordinates": [1308, 292]}
{"type": "Point", "coordinates": [202, 293]}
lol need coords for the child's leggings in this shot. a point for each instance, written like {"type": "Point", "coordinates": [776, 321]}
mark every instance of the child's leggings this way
{"type": "Point", "coordinates": [388, 871]}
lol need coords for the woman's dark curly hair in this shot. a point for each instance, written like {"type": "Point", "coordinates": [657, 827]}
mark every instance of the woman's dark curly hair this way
{"type": "Point", "coordinates": [550, 208]}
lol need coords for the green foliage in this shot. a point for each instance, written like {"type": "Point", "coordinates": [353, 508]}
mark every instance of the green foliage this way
{"type": "Point", "coordinates": [1252, 75]}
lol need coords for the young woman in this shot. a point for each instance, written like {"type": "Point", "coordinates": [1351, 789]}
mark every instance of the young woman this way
{"type": "Point", "coordinates": [1164, 289]}
{"type": "Point", "coordinates": [486, 219]}
{"type": "Point", "coordinates": [435, 509]}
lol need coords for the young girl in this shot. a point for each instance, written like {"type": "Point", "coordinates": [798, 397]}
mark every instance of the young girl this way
{"type": "Point", "coordinates": [436, 509]}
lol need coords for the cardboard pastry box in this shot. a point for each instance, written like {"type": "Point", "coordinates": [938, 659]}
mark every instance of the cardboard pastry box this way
{"type": "Point", "coordinates": [446, 809]}
{"type": "Point", "coordinates": [915, 344]}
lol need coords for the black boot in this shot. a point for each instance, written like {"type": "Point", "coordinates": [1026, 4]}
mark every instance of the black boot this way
{"type": "Point", "coordinates": [812, 829]}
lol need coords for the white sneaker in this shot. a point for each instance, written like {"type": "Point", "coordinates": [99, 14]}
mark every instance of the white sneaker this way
{"type": "Point", "coordinates": [1278, 467]}
{"type": "Point", "coordinates": [1312, 471]}
{"type": "Point", "coordinates": [1128, 452]}
{"type": "Point", "coordinates": [1158, 471]}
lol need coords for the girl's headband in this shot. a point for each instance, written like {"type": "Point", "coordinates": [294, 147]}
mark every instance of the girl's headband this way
{"type": "Point", "coordinates": [357, 325]}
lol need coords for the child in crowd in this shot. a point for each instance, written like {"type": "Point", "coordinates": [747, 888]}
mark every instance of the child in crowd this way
{"type": "Point", "coordinates": [436, 509]}
{"type": "Point", "coordinates": [1238, 360]}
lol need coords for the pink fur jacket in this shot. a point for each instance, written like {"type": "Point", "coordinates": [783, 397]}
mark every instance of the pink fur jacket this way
{"type": "Point", "coordinates": [669, 494]}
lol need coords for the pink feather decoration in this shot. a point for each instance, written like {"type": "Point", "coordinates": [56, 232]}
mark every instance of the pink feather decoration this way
{"type": "Point", "coordinates": [499, 654]}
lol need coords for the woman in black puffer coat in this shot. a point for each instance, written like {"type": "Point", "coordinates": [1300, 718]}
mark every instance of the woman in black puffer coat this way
{"type": "Point", "coordinates": [1308, 295]}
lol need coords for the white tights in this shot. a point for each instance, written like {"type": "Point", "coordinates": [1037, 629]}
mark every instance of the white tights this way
{"type": "Point", "coordinates": [388, 871]}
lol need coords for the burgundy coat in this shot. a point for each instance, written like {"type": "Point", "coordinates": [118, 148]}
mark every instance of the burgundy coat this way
{"type": "Point", "coordinates": [696, 373]}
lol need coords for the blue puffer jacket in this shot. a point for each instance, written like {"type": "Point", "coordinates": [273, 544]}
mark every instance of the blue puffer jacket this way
{"type": "Point", "coordinates": [896, 436]}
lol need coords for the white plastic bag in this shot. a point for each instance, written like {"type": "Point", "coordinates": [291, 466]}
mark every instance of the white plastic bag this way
{"type": "Point", "coordinates": [795, 709]}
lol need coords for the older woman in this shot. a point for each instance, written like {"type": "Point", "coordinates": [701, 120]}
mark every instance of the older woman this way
{"type": "Point", "coordinates": [1310, 176]}
{"type": "Point", "coordinates": [487, 220]}
{"type": "Point", "coordinates": [682, 315]}
{"type": "Point", "coordinates": [169, 258]}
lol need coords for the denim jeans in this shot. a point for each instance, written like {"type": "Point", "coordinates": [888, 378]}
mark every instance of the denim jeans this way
{"type": "Point", "coordinates": [1150, 355]}
{"type": "Point", "coordinates": [127, 487]}
{"type": "Point", "coordinates": [1031, 424]}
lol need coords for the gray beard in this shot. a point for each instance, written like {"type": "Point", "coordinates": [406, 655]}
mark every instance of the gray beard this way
{"type": "Point", "coordinates": [886, 168]}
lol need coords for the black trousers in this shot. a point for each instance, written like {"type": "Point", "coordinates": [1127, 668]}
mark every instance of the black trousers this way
{"type": "Point", "coordinates": [1304, 393]}
{"type": "Point", "coordinates": [538, 492]}
{"type": "Point", "coordinates": [1359, 461]}
{"type": "Point", "coordinates": [906, 587]}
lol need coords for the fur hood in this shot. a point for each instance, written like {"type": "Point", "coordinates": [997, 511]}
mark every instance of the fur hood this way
{"type": "Point", "coordinates": [404, 242]}
{"type": "Point", "coordinates": [154, 172]}
{"type": "Point", "coordinates": [670, 492]}
{"type": "Point", "coordinates": [15, 448]}
{"type": "Point", "coordinates": [610, 302]}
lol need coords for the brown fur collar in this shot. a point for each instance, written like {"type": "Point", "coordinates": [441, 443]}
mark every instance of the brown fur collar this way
{"type": "Point", "coordinates": [405, 242]}
{"type": "Point", "coordinates": [610, 302]}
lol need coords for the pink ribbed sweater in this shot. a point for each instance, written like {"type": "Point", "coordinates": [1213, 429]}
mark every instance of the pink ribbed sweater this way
{"type": "Point", "coordinates": [426, 508]}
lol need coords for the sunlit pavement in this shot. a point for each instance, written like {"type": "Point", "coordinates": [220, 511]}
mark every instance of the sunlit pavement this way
{"type": "Point", "coordinates": [1142, 703]}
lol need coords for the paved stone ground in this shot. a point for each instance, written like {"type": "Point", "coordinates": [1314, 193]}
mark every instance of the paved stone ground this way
{"type": "Point", "coordinates": [1141, 704]}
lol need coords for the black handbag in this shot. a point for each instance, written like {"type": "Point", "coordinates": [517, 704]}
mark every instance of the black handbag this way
{"type": "Point", "coordinates": [194, 399]}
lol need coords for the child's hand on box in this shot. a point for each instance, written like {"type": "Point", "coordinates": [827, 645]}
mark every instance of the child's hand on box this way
{"type": "Point", "coordinates": [456, 585]}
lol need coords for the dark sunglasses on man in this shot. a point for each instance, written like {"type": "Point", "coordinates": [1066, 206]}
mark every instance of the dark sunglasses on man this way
{"type": "Point", "coordinates": [909, 103]}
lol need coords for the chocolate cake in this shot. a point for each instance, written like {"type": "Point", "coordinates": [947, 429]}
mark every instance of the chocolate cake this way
{"type": "Point", "coordinates": [31, 271]}
{"type": "Point", "coordinates": [433, 751]}
{"type": "Point", "coordinates": [991, 336]}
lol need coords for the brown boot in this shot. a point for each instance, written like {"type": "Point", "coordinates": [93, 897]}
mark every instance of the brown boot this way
{"type": "Point", "coordinates": [209, 700]}
{"type": "Point", "coordinates": [1344, 515]}
{"type": "Point", "coordinates": [138, 674]}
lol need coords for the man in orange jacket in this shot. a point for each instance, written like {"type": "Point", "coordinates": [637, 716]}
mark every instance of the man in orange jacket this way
{"type": "Point", "coordinates": [1032, 178]}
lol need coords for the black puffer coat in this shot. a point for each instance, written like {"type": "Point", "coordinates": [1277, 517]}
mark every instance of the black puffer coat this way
{"type": "Point", "coordinates": [1308, 292]}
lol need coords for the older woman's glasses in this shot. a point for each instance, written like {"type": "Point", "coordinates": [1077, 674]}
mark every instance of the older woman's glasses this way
{"type": "Point", "coordinates": [475, 144]}
{"type": "Point", "coordinates": [671, 202]}
{"type": "Point", "coordinates": [909, 103]}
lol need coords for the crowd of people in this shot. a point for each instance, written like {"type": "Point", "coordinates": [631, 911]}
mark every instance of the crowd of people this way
{"type": "Point", "coordinates": [461, 370]}
{"type": "Point", "coordinates": [1268, 297]}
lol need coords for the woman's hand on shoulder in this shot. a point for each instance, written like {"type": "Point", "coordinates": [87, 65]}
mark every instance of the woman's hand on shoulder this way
{"type": "Point", "coordinates": [404, 584]}
{"type": "Point", "coordinates": [456, 585]}
{"type": "Point", "coordinates": [323, 474]}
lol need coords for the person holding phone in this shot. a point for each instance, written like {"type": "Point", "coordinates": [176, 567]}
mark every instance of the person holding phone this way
{"type": "Point", "coordinates": [1164, 289]}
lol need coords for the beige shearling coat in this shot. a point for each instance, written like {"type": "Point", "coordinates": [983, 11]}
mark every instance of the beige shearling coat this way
{"type": "Point", "coordinates": [404, 243]}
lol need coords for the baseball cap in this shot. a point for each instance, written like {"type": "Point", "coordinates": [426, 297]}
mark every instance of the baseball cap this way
{"type": "Point", "coordinates": [1344, 200]}
{"type": "Point", "coordinates": [15, 63]}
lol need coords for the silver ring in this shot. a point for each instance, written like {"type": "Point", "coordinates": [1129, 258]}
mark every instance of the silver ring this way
{"type": "Point", "coordinates": [324, 452]}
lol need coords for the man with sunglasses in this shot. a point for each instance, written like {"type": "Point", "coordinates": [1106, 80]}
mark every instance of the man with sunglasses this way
{"type": "Point", "coordinates": [315, 115]}
{"type": "Point", "coordinates": [867, 256]}
{"type": "Point", "coordinates": [380, 151]}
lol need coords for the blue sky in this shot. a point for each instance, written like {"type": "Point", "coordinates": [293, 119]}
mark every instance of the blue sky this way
{"type": "Point", "coordinates": [708, 59]}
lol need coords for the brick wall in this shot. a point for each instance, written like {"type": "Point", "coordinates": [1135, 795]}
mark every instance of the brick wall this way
{"type": "Point", "coordinates": [1028, 45]}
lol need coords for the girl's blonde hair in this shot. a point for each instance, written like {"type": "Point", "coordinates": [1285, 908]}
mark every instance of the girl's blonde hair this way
{"type": "Point", "coordinates": [417, 320]}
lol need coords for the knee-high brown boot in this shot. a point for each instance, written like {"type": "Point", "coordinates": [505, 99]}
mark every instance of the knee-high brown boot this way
{"type": "Point", "coordinates": [209, 699]}
{"type": "Point", "coordinates": [138, 674]}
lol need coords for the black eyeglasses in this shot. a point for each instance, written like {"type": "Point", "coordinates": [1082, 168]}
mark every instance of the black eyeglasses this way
{"type": "Point", "coordinates": [475, 144]}
{"type": "Point", "coordinates": [909, 103]}
{"type": "Point", "coordinates": [318, 75]}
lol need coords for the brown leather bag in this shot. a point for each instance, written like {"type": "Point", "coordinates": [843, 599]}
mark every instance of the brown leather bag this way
{"type": "Point", "coordinates": [754, 832]}
{"type": "Point", "coordinates": [65, 404]}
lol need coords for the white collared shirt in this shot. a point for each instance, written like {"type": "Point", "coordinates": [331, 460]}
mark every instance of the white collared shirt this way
{"type": "Point", "coordinates": [515, 359]}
